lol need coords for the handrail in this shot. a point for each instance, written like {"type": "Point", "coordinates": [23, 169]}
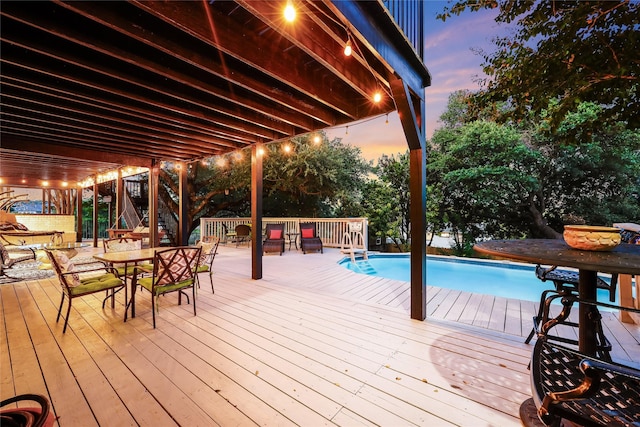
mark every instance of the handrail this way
{"type": "Point", "coordinates": [330, 230]}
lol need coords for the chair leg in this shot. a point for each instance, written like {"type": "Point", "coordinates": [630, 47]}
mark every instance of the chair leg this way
{"type": "Point", "coordinates": [213, 291]}
{"type": "Point", "coordinates": [537, 318]}
{"type": "Point", "coordinates": [66, 319]}
{"type": "Point", "coordinates": [60, 308]}
{"type": "Point", "coordinates": [194, 300]}
{"type": "Point", "coordinates": [153, 309]}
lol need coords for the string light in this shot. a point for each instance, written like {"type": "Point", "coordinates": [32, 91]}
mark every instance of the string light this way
{"type": "Point", "coordinates": [316, 139]}
{"type": "Point", "coordinates": [286, 148]}
{"type": "Point", "coordinates": [377, 97]}
{"type": "Point", "coordinates": [289, 12]}
{"type": "Point", "coordinates": [386, 122]}
{"type": "Point", "coordinates": [347, 47]}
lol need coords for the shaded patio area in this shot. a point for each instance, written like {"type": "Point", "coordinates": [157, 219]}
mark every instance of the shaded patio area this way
{"type": "Point", "coordinates": [302, 346]}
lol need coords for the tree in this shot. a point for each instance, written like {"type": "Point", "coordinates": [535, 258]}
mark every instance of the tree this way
{"type": "Point", "coordinates": [562, 53]}
{"type": "Point", "coordinates": [312, 179]}
{"type": "Point", "coordinates": [387, 201]}
{"type": "Point", "coordinates": [499, 181]}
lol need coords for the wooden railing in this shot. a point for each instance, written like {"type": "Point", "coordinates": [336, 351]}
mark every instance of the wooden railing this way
{"type": "Point", "coordinates": [330, 230]}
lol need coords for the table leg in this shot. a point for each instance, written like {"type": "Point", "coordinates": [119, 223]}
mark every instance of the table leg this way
{"type": "Point", "coordinates": [588, 318]}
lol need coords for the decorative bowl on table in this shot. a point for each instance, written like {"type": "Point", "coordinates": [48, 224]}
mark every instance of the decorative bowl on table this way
{"type": "Point", "coordinates": [591, 237]}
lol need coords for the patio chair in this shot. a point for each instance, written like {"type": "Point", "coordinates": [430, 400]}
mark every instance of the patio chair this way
{"type": "Point", "coordinates": [274, 240]}
{"type": "Point", "coordinates": [173, 271]}
{"type": "Point", "coordinates": [568, 385]}
{"type": "Point", "coordinates": [242, 234]}
{"type": "Point", "coordinates": [309, 240]}
{"type": "Point", "coordinates": [34, 416]}
{"type": "Point", "coordinates": [122, 244]}
{"type": "Point", "coordinates": [77, 283]}
{"type": "Point", "coordinates": [209, 247]}
{"type": "Point", "coordinates": [565, 284]}
{"type": "Point", "coordinates": [19, 256]}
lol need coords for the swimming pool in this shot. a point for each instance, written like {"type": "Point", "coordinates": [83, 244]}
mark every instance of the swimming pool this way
{"type": "Point", "coordinates": [506, 280]}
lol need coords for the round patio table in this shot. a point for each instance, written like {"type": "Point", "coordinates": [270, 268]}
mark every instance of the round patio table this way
{"type": "Point", "coordinates": [623, 259]}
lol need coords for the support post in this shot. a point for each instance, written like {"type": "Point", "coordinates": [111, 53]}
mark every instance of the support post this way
{"type": "Point", "coordinates": [79, 214]}
{"type": "Point", "coordinates": [256, 211]}
{"type": "Point", "coordinates": [411, 112]}
{"type": "Point", "coordinates": [183, 206]}
{"type": "Point", "coordinates": [154, 172]}
{"type": "Point", "coordinates": [95, 211]}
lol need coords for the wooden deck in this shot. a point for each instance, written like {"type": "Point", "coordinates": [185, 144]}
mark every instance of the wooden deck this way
{"type": "Point", "coordinates": [310, 344]}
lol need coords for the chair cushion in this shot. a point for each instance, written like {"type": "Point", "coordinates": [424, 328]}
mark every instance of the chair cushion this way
{"type": "Point", "coordinates": [275, 234]}
{"type": "Point", "coordinates": [202, 268]}
{"type": "Point", "coordinates": [96, 283]}
{"type": "Point", "coordinates": [147, 283]}
{"type": "Point", "coordinates": [307, 233]}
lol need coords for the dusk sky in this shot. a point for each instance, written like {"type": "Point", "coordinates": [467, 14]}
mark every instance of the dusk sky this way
{"type": "Point", "coordinates": [453, 65]}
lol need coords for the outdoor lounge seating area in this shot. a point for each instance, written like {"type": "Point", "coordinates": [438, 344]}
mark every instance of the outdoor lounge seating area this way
{"type": "Point", "coordinates": [317, 345]}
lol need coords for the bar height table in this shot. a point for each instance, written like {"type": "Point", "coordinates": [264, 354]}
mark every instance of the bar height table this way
{"type": "Point", "coordinates": [623, 259]}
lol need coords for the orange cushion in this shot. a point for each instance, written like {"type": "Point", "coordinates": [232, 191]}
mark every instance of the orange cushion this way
{"type": "Point", "coordinates": [307, 233]}
{"type": "Point", "coordinates": [275, 234]}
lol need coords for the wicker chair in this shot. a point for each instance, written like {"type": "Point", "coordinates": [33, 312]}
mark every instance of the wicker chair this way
{"type": "Point", "coordinates": [274, 240]}
{"type": "Point", "coordinates": [173, 271]}
{"type": "Point", "coordinates": [309, 240]}
{"type": "Point", "coordinates": [242, 234]}
{"type": "Point", "coordinates": [77, 283]}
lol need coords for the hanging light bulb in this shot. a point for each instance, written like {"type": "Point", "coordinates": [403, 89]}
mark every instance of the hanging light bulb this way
{"type": "Point", "coordinates": [386, 122]}
{"type": "Point", "coordinates": [287, 148]}
{"type": "Point", "coordinates": [347, 131]}
{"type": "Point", "coordinates": [377, 97]}
{"type": "Point", "coordinates": [316, 139]}
{"type": "Point", "coordinates": [347, 47]}
{"type": "Point", "coordinates": [289, 12]}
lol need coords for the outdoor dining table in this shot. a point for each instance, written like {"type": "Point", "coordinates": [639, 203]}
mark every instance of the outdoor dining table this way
{"type": "Point", "coordinates": [130, 257]}
{"type": "Point", "coordinates": [623, 259]}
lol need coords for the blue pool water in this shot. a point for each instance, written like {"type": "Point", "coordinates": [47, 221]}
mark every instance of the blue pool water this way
{"type": "Point", "coordinates": [503, 280]}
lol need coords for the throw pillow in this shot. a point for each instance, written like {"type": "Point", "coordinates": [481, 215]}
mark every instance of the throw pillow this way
{"type": "Point", "coordinates": [275, 234]}
{"type": "Point", "coordinates": [66, 266]}
{"type": "Point", "coordinates": [307, 233]}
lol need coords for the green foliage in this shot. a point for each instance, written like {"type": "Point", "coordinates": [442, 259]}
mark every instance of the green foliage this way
{"type": "Point", "coordinates": [559, 55]}
{"type": "Point", "coordinates": [487, 180]}
{"type": "Point", "coordinates": [387, 201]}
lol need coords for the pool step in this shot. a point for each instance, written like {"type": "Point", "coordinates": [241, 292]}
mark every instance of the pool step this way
{"type": "Point", "coordinates": [365, 267]}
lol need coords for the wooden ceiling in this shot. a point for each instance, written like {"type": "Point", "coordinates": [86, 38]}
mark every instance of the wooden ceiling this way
{"type": "Point", "coordinates": [88, 86]}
